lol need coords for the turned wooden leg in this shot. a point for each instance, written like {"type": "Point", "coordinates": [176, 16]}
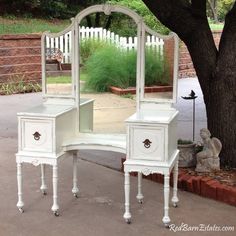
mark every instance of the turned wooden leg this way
{"type": "Point", "coordinates": [175, 199]}
{"type": "Point", "coordinates": [127, 215]}
{"type": "Point", "coordinates": [55, 206]}
{"type": "Point", "coordinates": [140, 195]}
{"type": "Point", "coordinates": [75, 188]}
{"type": "Point", "coordinates": [43, 187]}
{"type": "Point", "coordinates": [166, 218]}
{"type": "Point", "coordinates": [20, 202]}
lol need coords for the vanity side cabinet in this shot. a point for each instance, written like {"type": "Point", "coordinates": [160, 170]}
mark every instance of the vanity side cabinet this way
{"type": "Point", "coordinates": [43, 133]}
{"type": "Point", "coordinates": [146, 141]}
{"type": "Point", "coordinates": [151, 140]}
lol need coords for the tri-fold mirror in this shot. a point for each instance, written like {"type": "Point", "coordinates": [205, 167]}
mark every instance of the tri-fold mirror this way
{"type": "Point", "coordinates": [156, 68]}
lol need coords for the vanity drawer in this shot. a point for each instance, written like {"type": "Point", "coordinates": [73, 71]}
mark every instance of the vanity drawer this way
{"type": "Point", "coordinates": [147, 143]}
{"type": "Point", "coordinates": [37, 135]}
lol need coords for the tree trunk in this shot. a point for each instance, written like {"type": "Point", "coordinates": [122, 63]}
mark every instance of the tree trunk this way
{"type": "Point", "coordinates": [215, 69]}
{"type": "Point", "coordinates": [89, 21]}
{"type": "Point", "coordinates": [217, 79]}
{"type": "Point", "coordinates": [97, 20]}
{"type": "Point", "coordinates": [108, 22]}
{"type": "Point", "coordinates": [221, 117]}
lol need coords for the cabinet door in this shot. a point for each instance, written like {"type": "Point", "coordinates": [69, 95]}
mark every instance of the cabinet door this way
{"type": "Point", "coordinates": [147, 143]}
{"type": "Point", "coordinates": [37, 135]}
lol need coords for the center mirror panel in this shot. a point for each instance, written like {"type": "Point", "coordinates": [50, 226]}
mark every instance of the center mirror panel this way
{"type": "Point", "coordinates": [159, 68]}
{"type": "Point", "coordinates": [58, 61]}
{"type": "Point", "coordinates": [108, 55]}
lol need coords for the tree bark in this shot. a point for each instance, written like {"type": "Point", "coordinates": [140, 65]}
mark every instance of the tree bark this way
{"type": "Point", "coordinates": [97, 20]}
{"type": "Point", "coordinates": [108, 22]}
{"type": "Point", "coordinates": [89, 21]}
{"type": "Point", "coordinates": [215, 69]}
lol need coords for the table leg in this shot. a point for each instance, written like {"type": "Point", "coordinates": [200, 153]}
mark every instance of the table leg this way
{"type": "Point", "coordinates": [166, 218]}
{"type": "Point", "coordinates": [175, 199]}
{"type": "Point", "coordinates": [140, 195]}
{"type": "Point", "coordinates": [43, 187]}
{"type": "Point", "coordinates": [75, 188]}
{"type": "Point", "coordinates": [127, 215]}
{"type": "Point", "coordinates": [20, 202]}
{"type": "Point", "coordinates": [55, 206]}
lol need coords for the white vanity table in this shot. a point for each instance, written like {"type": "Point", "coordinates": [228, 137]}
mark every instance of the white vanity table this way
{"type": "Point", "coordinates": [63, 124]}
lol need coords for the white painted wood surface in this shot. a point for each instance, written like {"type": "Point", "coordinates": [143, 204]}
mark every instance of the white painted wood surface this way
{"type": "Point", "coordinates": [105, 142]}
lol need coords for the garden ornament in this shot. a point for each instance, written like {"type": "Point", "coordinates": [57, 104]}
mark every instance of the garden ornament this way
{"type": "Point", "coordinates": [208, 159]}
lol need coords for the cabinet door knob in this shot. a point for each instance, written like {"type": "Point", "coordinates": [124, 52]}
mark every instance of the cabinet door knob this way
{"type": "Point", "coordinates": [36, 136]}
{"type": "Point", "coordinates": [147, 143]}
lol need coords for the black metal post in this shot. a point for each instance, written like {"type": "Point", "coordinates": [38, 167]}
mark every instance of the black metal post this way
{"type": "Point", "coordinates": [192, 97]}
{"type": "Point", "coordinates": [193, 120]}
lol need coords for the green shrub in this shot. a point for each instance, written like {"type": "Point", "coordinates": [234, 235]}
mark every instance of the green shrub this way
{"type": "Point", "coordinates": [16, 85]}
{"type": "Point", "coordinates": [130, 66]}
{"type": "Point", "coordinates": [184, 142]}
{"type": "Point", "coordinates": [88, 47]}
{"type": "Point", "coordinates": [156, 69]}
{"type": "Point", "coordinates": [112, 66]}
{"type": "Point", "coordinates": [105, 68]}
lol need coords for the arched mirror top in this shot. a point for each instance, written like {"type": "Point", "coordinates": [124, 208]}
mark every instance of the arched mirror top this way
{"type": "Point", "coordinates": [144, 34]}
{"type": "Point", "coordinates": [107, 9]}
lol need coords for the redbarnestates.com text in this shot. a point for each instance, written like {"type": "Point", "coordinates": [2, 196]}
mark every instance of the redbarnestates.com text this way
{"type": "Point", "coordinates": [200, 228]}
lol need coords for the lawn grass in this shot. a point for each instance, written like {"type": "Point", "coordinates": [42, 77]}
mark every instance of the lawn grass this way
{"type": "Point", "coordinates": [20, 25]}
{"type": "Point", "coordinates": [219, 26]}
{"type": "Point", "coordinates": [64, 79]}
{"type": "Point", "coordinates": [16, 25]}
{"type": "Point", "coordinates": [59, 80]}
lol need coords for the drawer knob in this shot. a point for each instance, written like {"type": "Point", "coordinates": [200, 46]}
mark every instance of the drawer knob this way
{"type": "Point", "coordinates": [147, 143]}
{"type": "Point", "coordinates": [36, 136]}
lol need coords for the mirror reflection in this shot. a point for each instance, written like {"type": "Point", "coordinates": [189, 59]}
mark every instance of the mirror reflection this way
{"type": "Point", "coordinates": [158, 68]}
{"type": "Point", "coordinates": [108, 56]}
{"type": "Point", "coordinates": [58, 61]}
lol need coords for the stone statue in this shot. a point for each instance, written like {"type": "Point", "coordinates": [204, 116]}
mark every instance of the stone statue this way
{"type": "Point", "coordinates": [208, 159]}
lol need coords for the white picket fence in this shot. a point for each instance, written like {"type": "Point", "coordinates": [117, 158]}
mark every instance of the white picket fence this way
{"type": "Point", "coordinates": [129, 43]}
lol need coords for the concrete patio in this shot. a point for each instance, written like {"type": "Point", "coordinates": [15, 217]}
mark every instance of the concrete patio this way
{"type": "Point", "coordinates": [100, 206]}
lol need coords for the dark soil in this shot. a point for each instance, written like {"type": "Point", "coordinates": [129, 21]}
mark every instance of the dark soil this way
{"type": "Point", "coordinates": [227, 177]}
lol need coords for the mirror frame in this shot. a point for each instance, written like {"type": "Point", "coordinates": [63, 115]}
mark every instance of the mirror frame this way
{"type": "Point", "coordinates": [146, 29]}
{"type": "Point", "coordinates": [43, 59]}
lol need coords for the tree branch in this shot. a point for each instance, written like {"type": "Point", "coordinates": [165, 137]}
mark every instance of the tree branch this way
{"type": "Point", "coordinates": [227, 46]}
{"type": "Point", "coordinates": [229, 27]}
{"type": "Point", "coordinates": [179, 16]}
{"type": "Point", "coordinates": [199, 5]}
{"type": "Point", "coordinates": [199, 9]}
{"type": "Point", "coordinates": [213, 6]}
